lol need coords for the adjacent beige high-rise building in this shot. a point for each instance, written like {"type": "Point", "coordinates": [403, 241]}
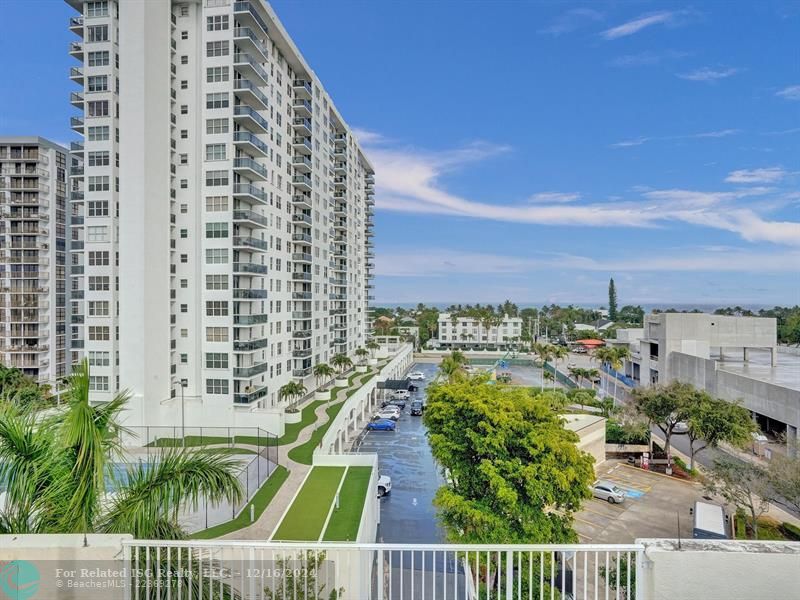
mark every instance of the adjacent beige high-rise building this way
{"type": "Point", "coordinates": [227, 242]}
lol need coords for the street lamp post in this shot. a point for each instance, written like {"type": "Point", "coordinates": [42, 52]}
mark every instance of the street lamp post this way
{"type": "Point", "coordinates": [182, 383]}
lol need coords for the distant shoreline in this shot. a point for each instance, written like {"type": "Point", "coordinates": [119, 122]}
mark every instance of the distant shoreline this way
{"type": "Point", "coordinates": [647, 307]}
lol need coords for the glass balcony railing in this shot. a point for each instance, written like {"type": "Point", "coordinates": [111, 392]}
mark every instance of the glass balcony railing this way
{"type": "Point", "coordinates": [246, 111]}
{"type": "Point", "coordinates": [247, 137]}
{"type": "Point", "coordinates": [250, 345]}
{"type": "Point", "coordinates": [250, 242]}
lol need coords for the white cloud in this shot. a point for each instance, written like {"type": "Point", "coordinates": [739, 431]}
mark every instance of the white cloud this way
{"type": "Point", "coordinates": [555, 197]}
{"type": "Point", "coordinates": [436, 262]}
{"type": "Point", "coordinates": [366, 137]}
{"type": "Point", "coordinates": [638, 24]}
{"type": "Point", "coordinates": [707, 74]}
{"type": "Point", "coordinates": [644, 59]}
{"type": "Point", "coordinates": [790, 93]}
{"type": "Point", "coordinates": [691, 136]}
{"type": "Point", "coordinates": [571, 20]}
{"type": "Point", "coordinates": [407, 180]}
{"type": "Point", "coordinates": [765, 175]}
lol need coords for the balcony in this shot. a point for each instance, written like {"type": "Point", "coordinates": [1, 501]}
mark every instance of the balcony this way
{"type": "Point", "coordinates": [369, 179]}
{"type": "Point", "coordinates": [76, 25]}
{"type": "Point", "coordinates": [250, 345]}
{"type": "Point", "coordinates": [302, 107]}
{"type": "Point", "coordinates": [302, 201]}
{"type": "Point", "coordinates": [76, 171]}
{"type": "Point", "coordinates": [301, 257]}
{"type": "Point", "coordinates": [301, 144]}
{"type": "Point", "coordinates": [302, 88]}
{"type": "Point", "coordinates": [249, 294]}
{"type": "Point", "coordinates": [76, 123]}
{"type": "Point", "coordinates": [302, 353]}
{"type": "Point", "coordinates": [301, 295]}
{"type": "Point", "coordinates": [76, 75]}
{"type": "Point", "coordinates": [76, 147]}
{"type": "Point", "coordinates": [301, 334]}
{"type": "Point", "coordinates": [301, 315]}
{"type": "Point", "coordinates": [245, 65]}
{"type": "Point", "coordinates": [250, 42]}
{"type": "Point", "coordinates": [302, 182]}
{"type": "Point", "coordinates": [251, 218]}
{"type": "Point", "coordinates": [340, 182]}
{"type": "Point", "coordinates": [249, 372]}
{"type": "Point", "coordinates": [301, 238]}
{"type": "Point", "coordinates": [247, 242]}
{"type": "Point", "coordinates": [300, 276]}
{"type": "Point", "coordinates": [340, 166]}
{"type": "Point", "coordinates": [76, 195]}
{"type": "Point", "coordinates": [340, 139]}
{"type": "Point", "coordinates": [250, 192]}
{"type": "Point", "coordinates": [249, 268]}
{"type": "Point", "coordinates": [247, 14]}
{"type": "Point", "coordinates": [301, 163]}
{"type": "Point", "coordinates": [250, 143]}
{"type": "Point", "coordinates": [76, 50]}
{"type": "Point", "coordinates": [249, 398]}
{"type": "Point", "coordinates": [250, 94]}
{"type": "Point", "coordinates": [301, 219]}
{"type": "Point", "coordinates": [249, 320]}
{"type": "Point", "coordinates": [250, 119]}
{"type": "Point", "coordinates": [302, 126]}
{"type": "Point", "coordinates": [250, 168]}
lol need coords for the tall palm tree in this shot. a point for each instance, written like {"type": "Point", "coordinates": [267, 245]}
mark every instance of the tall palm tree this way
{"type": "Point", "coordinates": [605, 356]}
{"type": "Point", "coordinates": [322, 372]}
{"type": "Point", "coordinates": [558, 352]}
{"type": "Point", "coordinates": [620, 354]}
{"type": "Point", "coordinates": [591, 375]}
{"type": "Point", "coordinates": [577, 373]}
{"type": "Point", "coordinates": [372, 346]}
{"type": "Point", "coordinates": [291, 390]}
{"type": "Point", "coordinates": [362, 354]}
{"type": "Point", "coordinates": [459, 357]}
{"type": "Point", "coordinates": [342, 362]}
{"type": "Point", "coordinates": [543, 351]}
{"type": "Point", "coordinates": [56, 469]}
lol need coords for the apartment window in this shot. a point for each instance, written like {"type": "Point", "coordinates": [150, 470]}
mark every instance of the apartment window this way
{"type": "Point", "coordinates": [184, 134]}
{"type": "Point", "coordinates": [184, 258]}
{"type": "Point", "coordinates": [97, 9]}
{"type": "Point", "coordinates": [184, 359]}
{"type": "Point", "coordinates": [184, 184]}
{"type": "Point", "coordinates": [216, 230]}
{"type": "Point", "coordinates": [216, 282]}
{"type": "Point", "coordinates": [99, 283]}
{"type": "Point", "coordinates": [184, 308]}
{"type": "Point", "coordinates": [184, 234]}
{"type": "Point", "coordinates": [216, 360]}
{"type": "Point", "coordinates": [185, 59]}
{"type": "Point", "coordinates": [215, 151]}
{"type": "Point", "coordinates": [217, 126]}
{"type": "Point", "coordinates": [97, 83]}
{"type": "Point", "coordinates": [216, 308]}
{"type": "Point", "coordinates": [184, 35]}
{"type": "Point", "coordinates": [98, 383]}
{"type": "Point", "coordinates": [98, 258]}
{"type": "Point", "coordinates": [217, 74]}
{"type": "Point", "coordinates": [184, 159]}
{"type": "Point", "coordinates": [97, 108]}
{"type": "Point", "coordinates": [100, 333]}
{"type": "Point", "coordinates": [98, 308]}
{"type": "Point", "coordinates": [216, 386]}
{"type": "Point", "coordinates": [217, 23]}
{"type": "Point", "coordinates": [98, 159]}
{"type": "Point", "coordinates": [98, 59]}
{"type": "Point", "coordinates": [98, 133]}
{"type": "Point", "coordinates": [184, 109]}
{"type": "Point", "coordinates": [218, 48]}
{"type": "Point", "coordinates": [97, 33]}
{"type": "Point", "coordinates": [98, 183]}
{"type": "Point", "coordinates": [99, 359]}
{"type": "Point", "coordinates": [218, 100]}
{"type": "Point", "coordinates": [97, 208]}
{"type": "Point", "coordinates": [97, 233]}
{"type": "Point", "coordinates": [216, 334]}
{"type": "Point", "coordinates": [216, 203]}
{"type": "Point", "coordinates": [216, 178]}
{"type": "Point", "coordinates": [184, 84]}
{"type": "Point", "coordinates": [216, 256]}
{"type": "Point", "coordinates": [184, 10]}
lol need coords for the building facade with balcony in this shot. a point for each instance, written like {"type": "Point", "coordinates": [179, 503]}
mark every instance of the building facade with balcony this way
{"type": "Point", "coordinates": [240, 240]}
{"type": "Point", "coordinates": [33, 257]}
{"type": "Point", "coordinates": [461, 332]}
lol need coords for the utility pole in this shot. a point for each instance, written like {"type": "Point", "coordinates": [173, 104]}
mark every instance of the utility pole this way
{"type": "Point", "coordinates": [183, 384]}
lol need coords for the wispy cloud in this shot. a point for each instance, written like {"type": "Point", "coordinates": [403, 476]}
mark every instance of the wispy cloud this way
{"type": "Point", "coordinates": [407, 180]}
{"type": "Point", "coordinates": [720, 133]}
{"type": "Point", "coordinates": [571, 20]}
{"type": "Point", "coordinates": [783, 131]}
{"type": "Point", "coordinates": [764, 175]}
{"type": "Point", "coordinates": [708, 74]}
{"type": "Point", "coordinates": [555, 197]}
{"type": "Point", "coordinates": [636, 25]}
{"type": "Point", "coordinates": [789, 93]}
{"type": "Point", "coordinates": [645, 59]}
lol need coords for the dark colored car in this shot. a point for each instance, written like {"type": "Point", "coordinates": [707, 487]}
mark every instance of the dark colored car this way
{"type": "Point", "coordinates": [401, 404]}
{"type": "Point", "coordinates": [416, 408]}
{"type": "Point", "coordinates": [382, 425]}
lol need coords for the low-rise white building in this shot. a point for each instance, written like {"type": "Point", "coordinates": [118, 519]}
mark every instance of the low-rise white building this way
{"type": "Point", "coordinates": [457, 331]}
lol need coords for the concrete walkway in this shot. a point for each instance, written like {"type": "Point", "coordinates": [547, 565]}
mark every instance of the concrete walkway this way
{"type": "Point", "coordinates": [264, 527]}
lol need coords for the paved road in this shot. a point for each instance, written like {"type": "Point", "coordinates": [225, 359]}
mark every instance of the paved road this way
{"type": "Point", "coordinates": [407, 514]}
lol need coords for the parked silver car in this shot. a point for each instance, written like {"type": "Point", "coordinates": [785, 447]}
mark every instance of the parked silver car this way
{"type": "Point", "coordinates": [605, 490]}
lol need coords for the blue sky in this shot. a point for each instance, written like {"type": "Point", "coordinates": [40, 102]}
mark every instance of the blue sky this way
{"type": "Point", "coordinates": [531, 150]}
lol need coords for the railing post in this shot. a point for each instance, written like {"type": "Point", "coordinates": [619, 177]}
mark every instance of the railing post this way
{"type": "Point", "coordinates": [126, 553]}
{"type": "Point", "coordinates": [509, 574]}
{"type": "Point", "coordinates": [380, 574]}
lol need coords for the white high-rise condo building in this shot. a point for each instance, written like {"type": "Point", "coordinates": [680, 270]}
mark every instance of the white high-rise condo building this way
{"type": "Point", "coordinates": [227, 241]}
{"type": "Point", "coordinates": [33, 237]}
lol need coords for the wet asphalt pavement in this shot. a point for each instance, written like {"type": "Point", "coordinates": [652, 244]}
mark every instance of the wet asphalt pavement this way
{"type": "Point", "coordinates": [407, 514]}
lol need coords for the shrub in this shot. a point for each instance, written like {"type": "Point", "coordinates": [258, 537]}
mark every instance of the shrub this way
{"type": "Point", "coordinates": [791, 531]}
{"type": "Point", "coordinates": [617, 433]}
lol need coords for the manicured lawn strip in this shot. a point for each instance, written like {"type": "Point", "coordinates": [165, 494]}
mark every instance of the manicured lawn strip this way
{"type": "Point", "coordinates": [261, 500]}
{"type": "Point", "coordinates": [307, 514]}
{"type": "Point", "coordinates": [343, 526]}
{"type": "Point", "coordinates": [304, 453]}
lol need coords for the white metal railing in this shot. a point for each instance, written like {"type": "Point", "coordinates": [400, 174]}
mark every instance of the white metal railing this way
{"type": "Point", "coordinates": [266, 570]}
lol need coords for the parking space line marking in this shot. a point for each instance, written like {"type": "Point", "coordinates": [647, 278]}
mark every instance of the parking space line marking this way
{"type": "Point", "coordinates": [626, 483]}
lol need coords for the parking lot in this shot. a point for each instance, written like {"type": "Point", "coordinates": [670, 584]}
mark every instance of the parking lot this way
{"type": "Point", "coordinates": [407, 514]}
{"type": "Point", "coordinates": [652, 507]}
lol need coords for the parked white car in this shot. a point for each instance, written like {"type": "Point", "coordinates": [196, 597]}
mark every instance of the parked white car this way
{"type": "Point", "coordinates": [605, 490]}
{"type": "Point", "coordinates": [416, 375]}
{"type": "Point", "coordinates": [384, 485]}
{"type": "Point", "coordinates": [681, 427]}
{"type": "Point", "coordinates": [389, 412]}
{"type": "Point", "coordinates": [401, 395]}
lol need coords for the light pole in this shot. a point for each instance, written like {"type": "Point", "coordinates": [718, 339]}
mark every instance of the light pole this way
{"type": "Point", "coordinates": [183, 384]}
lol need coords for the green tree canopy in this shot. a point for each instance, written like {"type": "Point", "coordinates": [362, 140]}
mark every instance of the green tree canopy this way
{"type": "Point", "coordinates": [515, 474]}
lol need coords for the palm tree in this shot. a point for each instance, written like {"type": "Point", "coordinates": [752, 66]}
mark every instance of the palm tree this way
{"type": "Point", "coordinates": [362, 354]}
{"type": "Point", "coordinates": [550, 377]}
{"type": "Point", "coordinates": [291, 390]}
{"type": "Point", "coordinates": [621, 353]}
{"type": "Point", "coordinates": [591, 375]}
{"type": "Point", "coordinates": [605, 356]}
{"type": "Point", "coordinates": [544, 354]}
{"type": "Point", "coordinates": [558, 353]}
{"type": "Point", "coordinates": [451, 368]}
{"type": "Point", "coordinates": [322, 372]}
{"type": "Point", "coordinates": [342, 362]}
{"type": "Point", "coordinates": [577, 374]}
{"type": "Point", "coordinates": [459, 357]}
{"type": "Point", "coordinates": [56, 469]}
{"type": "Point", "coordinates": [372, 346]}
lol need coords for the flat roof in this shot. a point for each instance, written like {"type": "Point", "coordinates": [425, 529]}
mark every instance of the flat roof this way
{"type": "Point", "coordinates": [709, 517]}
{"type": "Point", "coordinates": [785, 374]}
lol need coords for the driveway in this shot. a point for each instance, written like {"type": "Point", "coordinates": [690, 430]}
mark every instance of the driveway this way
{"type": "Point", "coordinates": [407, 514]}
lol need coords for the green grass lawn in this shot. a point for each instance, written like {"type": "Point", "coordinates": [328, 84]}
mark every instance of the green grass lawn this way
{"type": "Point", "coordinates": [261, 500]}
{"type": "Point", "coordinates": [343, 526]}
{"type": "Point", "coordinates": [307, 514]}
{"type": "Point", "coordinates": [768, 529]}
